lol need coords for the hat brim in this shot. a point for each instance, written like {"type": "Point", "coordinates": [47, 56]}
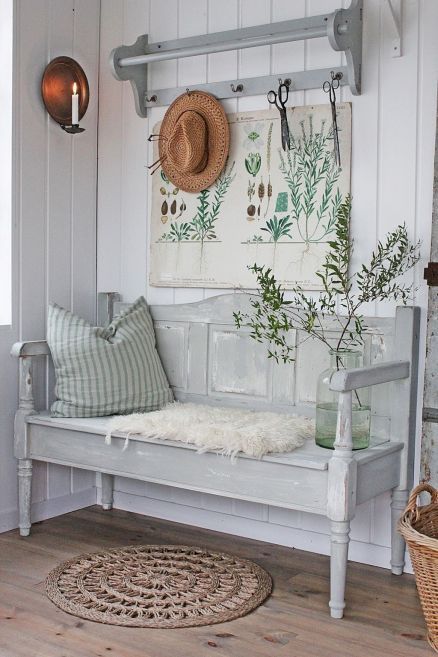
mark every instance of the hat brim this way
{"type": "Point", "coordinates": [218, 140]}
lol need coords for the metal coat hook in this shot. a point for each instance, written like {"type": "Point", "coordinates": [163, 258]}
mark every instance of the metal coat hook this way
{"type": "Point", "coordinates": [287, 82]}
{"type": "Point", "coordinates": [236, 89]}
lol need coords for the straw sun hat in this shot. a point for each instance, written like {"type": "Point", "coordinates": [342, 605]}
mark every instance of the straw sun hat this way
{"type": "Point", "coordinates": [194, 140]}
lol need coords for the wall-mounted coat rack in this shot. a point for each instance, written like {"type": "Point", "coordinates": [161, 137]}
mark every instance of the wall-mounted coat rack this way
{"type": "Point", "coordinates": [343, 28]}
{"type": "Point", "coordinates": [395, 17]}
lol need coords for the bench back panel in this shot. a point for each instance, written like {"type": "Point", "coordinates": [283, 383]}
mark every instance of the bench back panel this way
{"type": "Point", "coordinates": [208, 360]}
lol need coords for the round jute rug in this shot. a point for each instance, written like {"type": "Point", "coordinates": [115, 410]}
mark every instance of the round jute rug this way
{"type": "Point", "coordinates": [160, 586]}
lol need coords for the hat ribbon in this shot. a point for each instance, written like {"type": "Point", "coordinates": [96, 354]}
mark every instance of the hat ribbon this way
{"type": "Point", "coordinates": [160, 160]}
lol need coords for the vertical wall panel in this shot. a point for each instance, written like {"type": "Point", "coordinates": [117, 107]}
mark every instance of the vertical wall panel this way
{"type": "Point", "coordinates": [254, 61]}
{"type": "Point", "coordinates": [84, 166]}
{"type": "Point", "coordinates": [8, 333]}
{"type": "Point", "coordinates": [163, 25]}
{"type": "Point", "coordinates": [365, 119]}
{"type": "Point", "coordinates": [287, 57]}
{"type": "Point", "coordinates": [32, 31]}
{"type": "Point", "coordinates": [191, 71]}
{"type": "Point", "coordinates": [32, 127]}
{"type": "Point", "coordinates": [319, 54]}
{"type": "Point", "coordinates": [223, 66]}
{"type": "Point", "coordinates": [134, 172]}
{"type": "Point", "coordinates": [58, 217]}
{"type": "Point", "coordinates": [59, 220]}
{"type": "Point", "coordinates": [110, 130]}
{"type": "Point", "coordinates": [427, 70]}
{"type": "Point", "coordinates": [398, 129]}
{"type": "Point", "coordinates": [55, 222]}
{"type": "Point", "coordinates": [392, 163]}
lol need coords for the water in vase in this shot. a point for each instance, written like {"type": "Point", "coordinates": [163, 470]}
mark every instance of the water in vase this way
{"type": "Point", "coordinates": [326, 418]}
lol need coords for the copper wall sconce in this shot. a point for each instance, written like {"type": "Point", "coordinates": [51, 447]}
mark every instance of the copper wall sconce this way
{"type": "Point", "coordinates": [65, 92]}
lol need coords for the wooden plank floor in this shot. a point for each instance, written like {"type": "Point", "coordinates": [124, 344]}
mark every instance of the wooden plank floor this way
{"type": "Point", "coordinates": [383, 617]}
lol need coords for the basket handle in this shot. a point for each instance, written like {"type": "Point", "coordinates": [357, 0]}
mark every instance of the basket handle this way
{"type": "Point", "coordinates": [421, 488]}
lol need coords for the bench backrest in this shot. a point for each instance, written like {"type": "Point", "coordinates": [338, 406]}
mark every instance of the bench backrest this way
{"type": "Point", "coordinates": [208, 360]}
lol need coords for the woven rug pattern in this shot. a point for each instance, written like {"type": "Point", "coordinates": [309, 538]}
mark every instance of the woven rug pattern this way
{"type": "Point", "coordinates": [161, 586]}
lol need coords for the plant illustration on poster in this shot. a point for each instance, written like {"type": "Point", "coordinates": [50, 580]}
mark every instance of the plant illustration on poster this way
{"type": "Point", "coordinates": [268, 206]}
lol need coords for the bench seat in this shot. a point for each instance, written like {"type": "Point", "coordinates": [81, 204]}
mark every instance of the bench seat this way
{"type": "Point", "coordinates": [308, 456]}
{"type": "Point", "coordinates": [294, 480]}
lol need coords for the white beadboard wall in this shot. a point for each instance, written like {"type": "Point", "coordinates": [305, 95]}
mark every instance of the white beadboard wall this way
{"type": "Point", "coordinates": [392, 173]}
{"type": "Point", "coordinates": [54, 241]}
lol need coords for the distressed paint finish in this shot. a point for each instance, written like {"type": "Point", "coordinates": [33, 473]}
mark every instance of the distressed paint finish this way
{"type": "Point", "coordinates": [21, 449]}
{"type": "Point", "coordinates": [26, 405]}
{"type": "Point", "coordinates": [24, 495]}
{"type": "Point", "coordinates": [207, 359]}
{"type": "Point", "coordinates": [429, 451]}
{"type": "Point", "coordinates": [309, 479]}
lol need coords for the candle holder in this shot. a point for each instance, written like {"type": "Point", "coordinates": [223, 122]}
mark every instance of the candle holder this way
{"type": "Point", "coordinates": [72, 129]}
{"type": "Point", "coordinates": [62, 78]}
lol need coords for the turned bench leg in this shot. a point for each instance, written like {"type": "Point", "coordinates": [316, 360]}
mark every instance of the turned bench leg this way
{"type": "Point", "coordinates": [340, 538]}
{"type": "Point", "coordinates": [399, 499]}
{"type": "Point", "coordinates": [107, 491]}
{"type": "Point", "coordinates": [24, 495]}
{"type": "Point", "coordinates": [341, 502]}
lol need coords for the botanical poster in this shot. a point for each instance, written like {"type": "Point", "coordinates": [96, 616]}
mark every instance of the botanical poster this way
{"type": "Point", "coordinates": [268, 206]}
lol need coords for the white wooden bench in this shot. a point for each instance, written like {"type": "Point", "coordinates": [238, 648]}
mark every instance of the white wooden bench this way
{"type": "Point", "coordinates": [208, 361]}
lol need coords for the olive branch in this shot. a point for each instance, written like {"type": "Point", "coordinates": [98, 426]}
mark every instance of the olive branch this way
{"type": "Point", "coordinates": [273, 317]}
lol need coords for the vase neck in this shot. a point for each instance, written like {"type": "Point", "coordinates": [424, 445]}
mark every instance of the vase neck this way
{"type": "Point", "coordinates": [344, 359]}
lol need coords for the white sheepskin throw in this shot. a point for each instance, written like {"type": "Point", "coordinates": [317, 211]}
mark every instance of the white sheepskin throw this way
{"type": "Point", "coordinates": [224, 430]}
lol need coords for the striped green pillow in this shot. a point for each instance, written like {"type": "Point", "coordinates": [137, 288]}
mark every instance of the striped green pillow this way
{"type": "Point", "coordinates": [106, 371]}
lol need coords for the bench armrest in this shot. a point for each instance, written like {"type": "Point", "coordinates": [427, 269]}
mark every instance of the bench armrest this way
{"type": "Point", "coordinates": [25, 351]}
{"type": "Point", "coordinates": [31, 348]}
{"type": "Point", "coordinates": [362, 377]}
{"type": "Point", "coordinates": [342, 476]}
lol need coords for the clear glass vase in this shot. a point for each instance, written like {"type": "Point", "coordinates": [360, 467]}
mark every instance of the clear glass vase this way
{"type": "Point", "coordinates": [327, 403]}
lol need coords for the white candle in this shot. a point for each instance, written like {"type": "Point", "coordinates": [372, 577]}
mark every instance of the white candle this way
{"type": "Point", "coordinates": [75, 105]}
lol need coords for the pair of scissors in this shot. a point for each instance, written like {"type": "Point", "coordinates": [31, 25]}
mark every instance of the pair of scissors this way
{"type": "Point", "coordinates": [330, 87]}
{"type": "Point", "coordinates": [279, 99]}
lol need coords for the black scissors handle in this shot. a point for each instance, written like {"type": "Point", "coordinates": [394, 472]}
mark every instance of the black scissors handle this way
{"type": "Point", "coordinates": [330, 86]}
{"type": "Point", "coordinates": [330, 90]}
{"type": "Point", "coordinates": [279, 99]}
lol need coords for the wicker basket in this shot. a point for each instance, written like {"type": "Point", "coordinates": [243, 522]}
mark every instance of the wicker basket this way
{"type": "Point", "coordinates": [419, 527]}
